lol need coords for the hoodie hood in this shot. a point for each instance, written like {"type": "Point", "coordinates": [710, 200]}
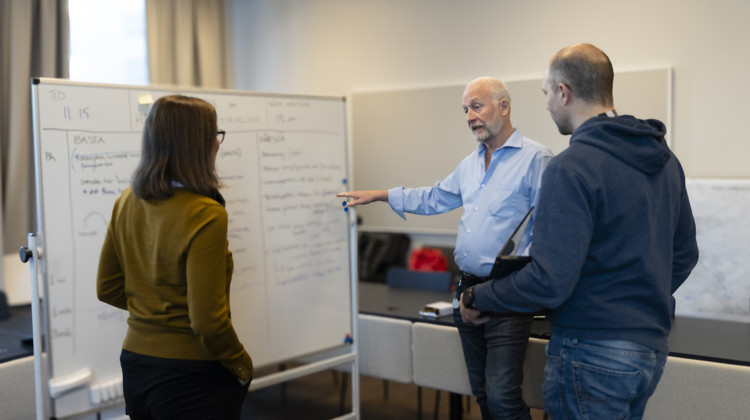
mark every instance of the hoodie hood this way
{"type": "Point", "coordinates": [638, 143]}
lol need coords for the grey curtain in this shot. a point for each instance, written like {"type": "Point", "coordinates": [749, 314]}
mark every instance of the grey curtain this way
{"type": "Point", "coordinates": [33, 43]}
{"type": "Point", "coordinates": [187, 43]}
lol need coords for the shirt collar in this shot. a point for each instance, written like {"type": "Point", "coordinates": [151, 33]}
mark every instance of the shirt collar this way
{"type": "Point", "coordinates": [515, 140]}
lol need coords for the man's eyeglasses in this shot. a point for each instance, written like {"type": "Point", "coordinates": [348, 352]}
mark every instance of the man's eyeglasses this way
{"type": "Point", "coordinates": [220, 135]}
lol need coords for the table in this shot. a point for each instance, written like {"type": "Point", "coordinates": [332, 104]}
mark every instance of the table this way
{"type": "Point", "coordinates": [15, 334]}
{"type": "Point", "coordinates": [404, 303]}
{"type": "Point", "coordinates": [714, 340]}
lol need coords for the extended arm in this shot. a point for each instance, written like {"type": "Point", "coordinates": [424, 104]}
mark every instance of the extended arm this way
{"type": "Point", "coordinates": [364, 197]}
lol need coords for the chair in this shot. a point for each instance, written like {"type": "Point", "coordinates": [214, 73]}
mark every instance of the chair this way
{"type": "Point", "coordinates": [440, 345]}
{"type": "Point", "coordinates": [421, 280]}
{"type": "Point", "coordinates": [4, 308]}
{"type": "Point", "coordinates": [17, 389]}
{"type": "Point", "coordinates": [384, 352]}
{"type": "Point", "coordinates": [698, 389]}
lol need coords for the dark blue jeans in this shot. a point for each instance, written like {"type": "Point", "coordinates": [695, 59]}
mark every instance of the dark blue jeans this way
{"type": "Point", "coordinates": [599, 379]}
{"type": "Point", "coordinates": [156, 388]}
{"type": "Point", "coordinates": [494, 354]}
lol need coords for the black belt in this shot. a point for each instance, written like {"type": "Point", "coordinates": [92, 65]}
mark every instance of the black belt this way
{"type": "Point", "coordinates": [467, 280]}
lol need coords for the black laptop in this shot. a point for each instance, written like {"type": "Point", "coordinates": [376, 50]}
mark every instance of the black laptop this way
{"type": "Point", "coordinates": [507, 261]}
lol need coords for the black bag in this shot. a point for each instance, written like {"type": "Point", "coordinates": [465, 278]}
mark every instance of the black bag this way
{"type": "Point", "coordinates": [379, 251]}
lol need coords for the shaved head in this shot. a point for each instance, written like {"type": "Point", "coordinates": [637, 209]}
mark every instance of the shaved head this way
{"type": "Point", "coordinates": [587, 72]}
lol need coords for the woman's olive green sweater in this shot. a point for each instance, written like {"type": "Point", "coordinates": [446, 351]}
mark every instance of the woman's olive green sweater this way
{"type": "Point", "coordinates": [168, 264]}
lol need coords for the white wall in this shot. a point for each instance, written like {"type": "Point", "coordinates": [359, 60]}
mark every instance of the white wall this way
{"type": "Point", "coordinates": [332, 47]}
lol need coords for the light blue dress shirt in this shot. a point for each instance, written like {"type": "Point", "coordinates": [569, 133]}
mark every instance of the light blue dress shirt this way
{"type": "Point", "coordinates": [494, 199]}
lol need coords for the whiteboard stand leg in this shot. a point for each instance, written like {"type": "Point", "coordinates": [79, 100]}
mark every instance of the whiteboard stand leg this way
{"type": "Point", "coordinates": [31, 255]}
{"type": "Point", "coordinates": [355, 384]}
{"type": "Point", "coordinates": [355, 311]}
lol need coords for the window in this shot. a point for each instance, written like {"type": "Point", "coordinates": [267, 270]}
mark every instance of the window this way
{"type": "Point", "coordinates": [108, 41]}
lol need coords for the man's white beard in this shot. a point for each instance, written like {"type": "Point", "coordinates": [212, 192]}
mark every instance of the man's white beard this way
{"type": "Point", "coordinates": [482, 135]}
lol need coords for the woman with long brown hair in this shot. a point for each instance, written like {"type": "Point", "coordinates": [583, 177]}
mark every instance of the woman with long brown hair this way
{"type": "Point", "coordinates": [165, 260]}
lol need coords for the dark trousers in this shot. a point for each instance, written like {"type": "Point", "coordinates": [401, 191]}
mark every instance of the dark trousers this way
{"type": "Point", "coordinates": [160, 389]}
{"type": "Point", "coordinates": [494, 353]}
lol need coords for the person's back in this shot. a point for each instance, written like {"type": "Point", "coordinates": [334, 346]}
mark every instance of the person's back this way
{"type": "Point", "coordinates": [624, 195]}
{"type": "Point", "coordinates": [158, 256]}
{"type": "Point", "coordinates": [165, 260]}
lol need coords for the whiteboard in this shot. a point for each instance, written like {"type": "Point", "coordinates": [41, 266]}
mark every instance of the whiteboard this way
{"type": "Point", "coordinates": [416, 137]}
{"type": "Point", "coordinates": [719, 286]}
{"type": "Point", "coordinates": [283, 159]}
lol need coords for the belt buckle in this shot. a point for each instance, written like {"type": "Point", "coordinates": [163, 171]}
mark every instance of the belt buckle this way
{"type": "Point", "coordinates": [467, 280]}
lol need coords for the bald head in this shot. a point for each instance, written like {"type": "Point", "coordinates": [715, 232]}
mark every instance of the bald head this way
{"type": "Point", "coordinates": [495, 87]}
{"type": "Point", "coordinates": [587, 72]}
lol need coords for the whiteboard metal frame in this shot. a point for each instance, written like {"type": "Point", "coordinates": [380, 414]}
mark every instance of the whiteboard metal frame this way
{"type": "Point", "coordinates": [39, 312]}
{"type": "Point", "coordinates": [41, 392]}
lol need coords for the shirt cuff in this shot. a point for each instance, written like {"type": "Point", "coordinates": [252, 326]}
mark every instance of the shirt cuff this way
{"type": "Point", "coordinates": [396, 201]}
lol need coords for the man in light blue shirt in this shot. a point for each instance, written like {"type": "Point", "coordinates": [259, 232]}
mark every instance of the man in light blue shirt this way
{"type": "Point", "coordinates": [496, 185]}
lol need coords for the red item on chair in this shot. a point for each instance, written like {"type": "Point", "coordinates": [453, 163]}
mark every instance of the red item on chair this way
{"type": "Point", "coordinates": [428, 259]}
